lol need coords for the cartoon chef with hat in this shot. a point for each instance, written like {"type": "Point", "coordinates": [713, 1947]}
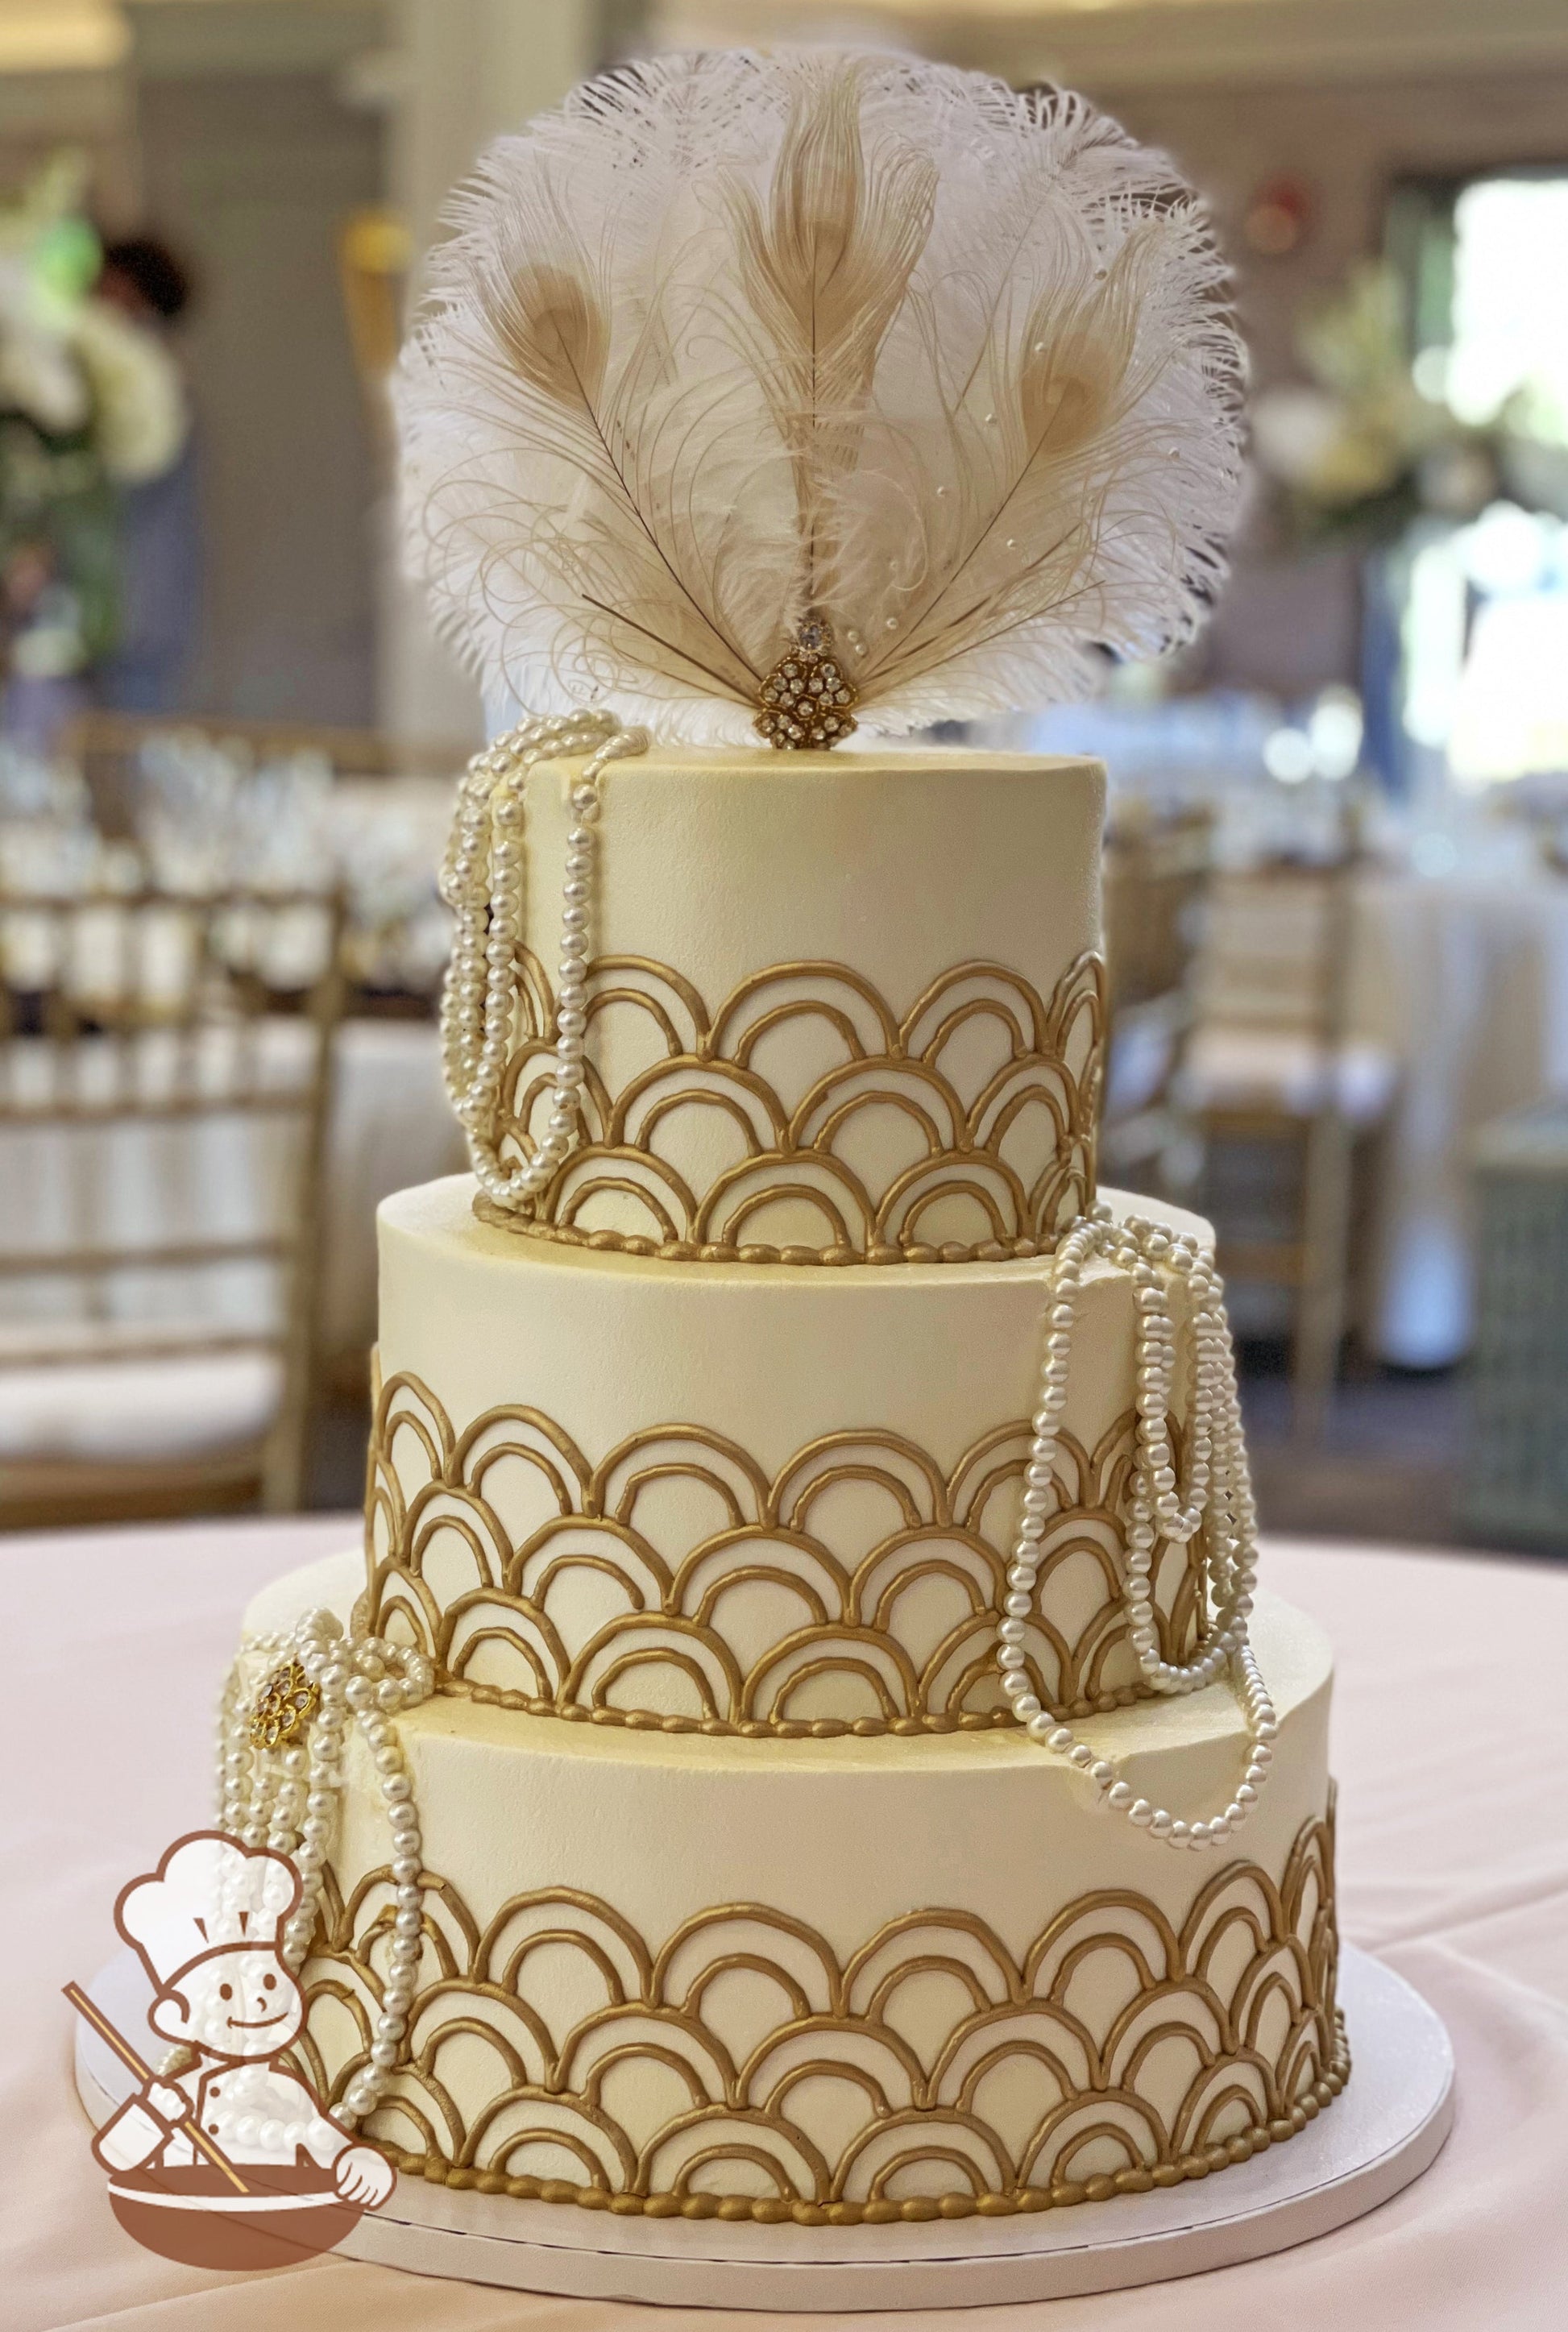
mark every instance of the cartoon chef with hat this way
{"type": "Point", "coordinates": [205, 1925]}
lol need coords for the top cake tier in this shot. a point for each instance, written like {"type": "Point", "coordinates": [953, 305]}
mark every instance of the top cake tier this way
{"type": "Point", "coordinates": [843, 1007]}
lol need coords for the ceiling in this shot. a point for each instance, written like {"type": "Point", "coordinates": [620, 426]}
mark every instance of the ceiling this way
{"type": "Point", "coordinates": [1103, 43]}
{"type": "Point", "coordinates": [1126, 44]}
{"type": "Point", "coordinates": [61, 35]}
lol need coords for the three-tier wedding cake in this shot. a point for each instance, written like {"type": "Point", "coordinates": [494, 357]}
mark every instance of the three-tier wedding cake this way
{"type": "Point", "coordinates": [803, 1747]}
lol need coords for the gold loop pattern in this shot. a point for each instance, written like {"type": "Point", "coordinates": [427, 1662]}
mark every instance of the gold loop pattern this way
{"type": "Point", "coordinates": [741, 2069]}
{"type": "Point", "coordinates": [992, 1095]}
{"type": "Point", "coordinates": [676, 1584]}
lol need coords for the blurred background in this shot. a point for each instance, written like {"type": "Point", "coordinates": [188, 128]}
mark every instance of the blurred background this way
{"type": "Point", "coordinates": [1337, 863]}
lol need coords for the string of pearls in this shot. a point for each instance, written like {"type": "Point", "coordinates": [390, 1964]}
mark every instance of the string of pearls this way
{"type": "Point", "coordinates": [286, 1799]}
{"type": "Point", "coordinates": [483, 881]}
{"type": "Point", "coordinates": [247, 2092]}
{"type": "Point", "coordinates": [1217, 1488]}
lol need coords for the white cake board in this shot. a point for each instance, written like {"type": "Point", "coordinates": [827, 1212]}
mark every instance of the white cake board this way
{"type": "Point", "coordinates": [1381, 2132]}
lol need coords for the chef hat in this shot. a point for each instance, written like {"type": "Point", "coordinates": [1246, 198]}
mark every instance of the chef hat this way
{"type": "Point", "coordinates": [209, 1893]}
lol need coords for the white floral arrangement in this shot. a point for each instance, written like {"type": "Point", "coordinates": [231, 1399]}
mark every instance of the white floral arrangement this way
{"type": "Point", "coordinates": [1362, 445]}
{"type": "Point", "coordinates": [91, 404]}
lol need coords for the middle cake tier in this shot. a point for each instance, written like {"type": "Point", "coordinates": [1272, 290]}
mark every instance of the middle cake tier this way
{"type": "Point", "coordinates": [745, 1501]}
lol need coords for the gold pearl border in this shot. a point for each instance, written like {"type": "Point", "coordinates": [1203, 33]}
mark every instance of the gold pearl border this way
{"type": "Point", "coordinates": [817, 1728]}
{"type": "Point", "coordinates": [915, 2209]}
{"type": "Point", "coordinates": [609, 1242]}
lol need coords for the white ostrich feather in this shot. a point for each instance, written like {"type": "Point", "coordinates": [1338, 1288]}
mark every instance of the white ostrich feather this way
{"type": "Point", "coordinates": [730, 340]}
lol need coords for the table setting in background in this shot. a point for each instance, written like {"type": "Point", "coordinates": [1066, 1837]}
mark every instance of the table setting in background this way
{"type": "Point", "coordinates": [1456, 984]}
{"type": "Point", "coordinates": [1462, 975]}
{"type": "Point", "coordinates": [1458, 976]}
{"type": "Point", "coordinates": [200, 814]}
{"type": "Point", "coordinates": [206, 815]}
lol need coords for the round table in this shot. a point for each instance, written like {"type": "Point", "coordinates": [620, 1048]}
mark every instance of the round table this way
{"type": "Point", "coordinates": [1463, 980]}
{"type": "Point", "coordinates": [1451, 1747]}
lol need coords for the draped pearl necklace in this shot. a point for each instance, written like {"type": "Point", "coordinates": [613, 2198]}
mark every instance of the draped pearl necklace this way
{"type": "Point", "coordinates": [1218, 1493]}
{"type": "Point", "coordinates": [286, 1799]}
{"type": "Point", "coordinates": [247, 2090]}
{"type": "Point", "coordinates": [483, 881]}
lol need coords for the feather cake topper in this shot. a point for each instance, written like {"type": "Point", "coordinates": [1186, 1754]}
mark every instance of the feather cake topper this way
{"type": "Point", "coordinates": [785, 393]}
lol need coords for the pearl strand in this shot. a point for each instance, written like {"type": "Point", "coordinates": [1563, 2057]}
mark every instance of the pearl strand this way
{"type": "Point", "coordinates": [1218, 1486]}
{"type": "Point", "coordinates": [277, 2139]}
{"type": "Point", "coordinates": [483, 881]}
{"type": "Point", "coordinates": [287, 1799]}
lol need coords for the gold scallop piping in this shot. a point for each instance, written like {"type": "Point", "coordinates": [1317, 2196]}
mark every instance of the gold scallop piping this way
{"type": "Point", "coordinates": [1244, 1985]}
{"type": "Point", "coordinates": [874, 1062]}
{"type": "Point", "coordinates": [433, 1504]}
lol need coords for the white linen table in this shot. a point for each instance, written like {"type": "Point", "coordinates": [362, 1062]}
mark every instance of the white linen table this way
{"type": "Point", "coordinates": [1451, 1747]}
{"type": "Point", "coordinates": [1463, 981]}
{"type": "Point", "coordinates": [1458, 985]}
{"type": "Point", "coordinates": [390, 1124]}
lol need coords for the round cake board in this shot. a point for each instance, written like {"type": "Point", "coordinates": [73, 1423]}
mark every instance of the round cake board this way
{"type": "Point", "coordinates": [1385, 2128]}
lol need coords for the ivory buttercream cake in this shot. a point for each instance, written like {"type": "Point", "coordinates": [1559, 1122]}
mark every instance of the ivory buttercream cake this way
{"type": "Point", "coordinates": [800, 1744]}
{"type": "Point", "coordinates": [741, 1888]}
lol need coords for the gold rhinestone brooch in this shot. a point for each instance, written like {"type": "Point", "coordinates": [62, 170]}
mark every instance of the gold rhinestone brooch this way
{"type": "Point", "coordinates": [284, 1706]}
{"type": "Point", "coordinates": [808, 698]}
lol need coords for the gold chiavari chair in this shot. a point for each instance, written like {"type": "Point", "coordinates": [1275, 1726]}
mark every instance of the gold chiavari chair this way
{"type": "Point", "coordinates": [107, 746]}
{"type": "Point", "coordinates": [165, 1078]}
{"type": "Point", "coordinates": [1274, 1073]}
{"type": "Point", "coordinates": [1157, 867]}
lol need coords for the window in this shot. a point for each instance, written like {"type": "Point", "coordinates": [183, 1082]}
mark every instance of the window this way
{"type": "Point", "coordinates": [1485, 611]}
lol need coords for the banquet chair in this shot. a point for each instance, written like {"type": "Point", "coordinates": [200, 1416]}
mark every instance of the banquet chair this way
{"type": "Point", "coordinates": [165, 1079]}
{"type": "Point", "coordinates": [1272, 1069]}
{"type": "Point", "coordinates": [1157, 868]}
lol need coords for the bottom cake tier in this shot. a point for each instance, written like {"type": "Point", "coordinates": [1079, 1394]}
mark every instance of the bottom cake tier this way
{"type": "Point", "coordinates": [837, 1982]}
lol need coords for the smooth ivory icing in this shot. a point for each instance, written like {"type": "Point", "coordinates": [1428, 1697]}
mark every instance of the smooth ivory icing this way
{"type": "Point", "coordinates": [899, 864]}
{"type": "Point", "coordinates": [844, 1833]}
{"type": "Point", "coordinates": [725, 1912]}
{"type": "Point", "coordinates": [732, 1494]}
{"type": "Point", "coordinates": [740, 1890]}
{"type": "Point", "coordinates": [838, 1006]}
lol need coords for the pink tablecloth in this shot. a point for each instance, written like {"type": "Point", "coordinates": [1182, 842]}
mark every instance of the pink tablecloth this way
{"type": "Point", "coordinates": [1451, 1744]}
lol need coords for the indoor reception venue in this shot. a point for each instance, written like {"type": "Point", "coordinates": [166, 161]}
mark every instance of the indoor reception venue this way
{"type": "Point", "coordinates": [784, 1164]}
